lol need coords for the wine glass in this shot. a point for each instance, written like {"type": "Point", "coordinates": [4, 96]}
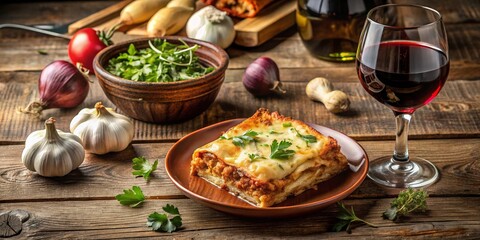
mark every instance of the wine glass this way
{"type": "Point", "coordinates": [402, 61]}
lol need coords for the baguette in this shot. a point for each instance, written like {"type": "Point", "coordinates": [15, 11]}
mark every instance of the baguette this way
{"type": "Point", "coordinates": [141, 10]}
{"type": "Point", "coordinates": [170, 19]}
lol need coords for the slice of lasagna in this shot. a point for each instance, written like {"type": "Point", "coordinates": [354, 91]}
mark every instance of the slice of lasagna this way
{"type": "Point", "coordinates": [267, 158]}
{"type": "Point", "coordinates": [239, 8]}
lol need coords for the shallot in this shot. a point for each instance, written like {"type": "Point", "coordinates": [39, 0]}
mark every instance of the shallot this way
{"type": "Point", "coordinates": [262, 77]}
{"type": "Point", "coordinates": [61, 85]}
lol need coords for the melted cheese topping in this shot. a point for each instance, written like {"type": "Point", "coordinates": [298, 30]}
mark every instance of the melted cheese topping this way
{"type": "Point", "coordinates": [263, 167]}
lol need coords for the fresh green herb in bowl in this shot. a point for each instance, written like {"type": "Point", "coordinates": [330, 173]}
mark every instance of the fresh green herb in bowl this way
{"type": "Point", "coordinates": [180, 95]}
{"type": "Point", "coordinates": [161, 62]}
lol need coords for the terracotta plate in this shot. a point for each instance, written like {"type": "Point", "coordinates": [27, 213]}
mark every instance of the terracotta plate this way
{"type": "Point", "coordinates": [178, 159]}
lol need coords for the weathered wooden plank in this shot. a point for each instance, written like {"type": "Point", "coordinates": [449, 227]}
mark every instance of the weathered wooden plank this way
{"type": "Point", "coordinates": [457, 167]}
{"type": "Point", "coordinates": [23, 54]}
{"type": "Point", "coordinates": [347, 73]}
{"type": "Point", "coordinates": [341, 73]}
{"type": "Point", "coordinates": [458, 162]}
{"type": "Point", "coordinates": [449, 218]}
{"type": "Point", "coordinates": [69, 11]}
{"type": "Point", "coordinates": [98, 17]}
{"type": "Point", "coordinates": [53, 12]}
{"type": "Point", "coordinates": [110, 172]}
{"type": "Point", "coordinates": [288, 52]}
{"type": "Point", "coordinates": [454, 113]}
{"type": "Point", "coordinates": [460, 11]}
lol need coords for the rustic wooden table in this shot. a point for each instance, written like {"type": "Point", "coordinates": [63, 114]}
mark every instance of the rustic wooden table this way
{"type": "Point", "coordinates": [82, 204]}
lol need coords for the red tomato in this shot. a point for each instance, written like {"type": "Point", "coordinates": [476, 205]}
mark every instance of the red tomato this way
{"type": "Point", "coordinates": [84, 46]}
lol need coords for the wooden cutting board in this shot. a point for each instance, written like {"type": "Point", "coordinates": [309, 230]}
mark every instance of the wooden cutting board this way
{"type": "Point", "coordinates": [250, 32]}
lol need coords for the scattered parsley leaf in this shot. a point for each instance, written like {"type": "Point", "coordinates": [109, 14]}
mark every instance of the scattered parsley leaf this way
{"type": "Point", "coordinates": [244, 139]}
{"type": "Point", "coordinates": [156, 220]}
{"type": "Point", "coordinates": [408, 201]}
{"type": "Point", "coordinates": [346, 217]}
{"type": "Point", "coordinates": [280, 151]}
{"type": "Point", "coordinates": [162, 222]}
{"type": "Point", "coordinates": [273, 132]}
{"type": "Point", "coordinates": [250, 133]}
{"type": "Point", "coordinates": [222, 137]}
{"type": "Point", "coordinates": [171, 209]}
{"type": "Point", "coordinates": [42, 52]}
{"type": "Point", "coordinates": [280, 166]}
{"type": "Point", "coordinates": [254, 157]}
{"type": "Point", "coordinates": [341, 225]}
{"type": "Point", "coordinates": [307, 138]}
{"type": "Point", "coordinates": [143, 168]}
{"type": "Point", "coordinates": [131, 197]}
{"type": "Point", "coordinates": [238, 141]}
{"type": "Point", "coordinates": [287, 124]}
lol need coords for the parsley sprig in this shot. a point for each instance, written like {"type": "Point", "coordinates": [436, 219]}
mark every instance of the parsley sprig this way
{"type": "Point", "coordinates": [346, 218]}
{"type": "Point", "coordinates": [280, 151]}
{"type": "Point", "coordinates": [162, 222]}
{"type": "Point", "coordinates": [143, 168]}
{"type": "Point", "coordinates": [131, 197]}
{"type": "Point", "coordinates": [161, 62]}
{"type": "Point", "coordinates": [408, 201]}
{"type": "Point", "coordinates": [244, 139]}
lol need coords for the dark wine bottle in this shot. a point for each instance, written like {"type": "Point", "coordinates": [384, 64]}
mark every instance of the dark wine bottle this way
{"type": "Point", "coordinates": [330, 28]}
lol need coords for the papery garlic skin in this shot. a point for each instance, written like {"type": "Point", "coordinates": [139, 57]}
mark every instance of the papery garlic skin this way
{"type": "Point", "coordinates": [211, 25]}
{"type": "Point", "coordinates": [51, 152]}
{"type": "Point", "coordinates": [102, 130]}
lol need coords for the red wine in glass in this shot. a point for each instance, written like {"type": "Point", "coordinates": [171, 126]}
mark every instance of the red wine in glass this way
{"type": "Point", "coordinates": [406, 82]}
{"type": "Point", "coordinates": [402, 61]}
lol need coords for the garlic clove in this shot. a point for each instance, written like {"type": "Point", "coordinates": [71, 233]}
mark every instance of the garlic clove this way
{"type": "Point", "coordinates": [321, 90]}
{"type": "Point", "coordinates": [318, 86]}
{"type": "Point", "coordinates": [336, 101]}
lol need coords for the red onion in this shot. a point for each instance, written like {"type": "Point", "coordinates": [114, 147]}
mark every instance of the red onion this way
{"type": "Point", "coordinates": [61, 85]}
{"type": "Point", "coordinates": [262, 77]}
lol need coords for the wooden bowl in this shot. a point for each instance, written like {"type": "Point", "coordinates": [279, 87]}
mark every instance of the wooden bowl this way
{"type": "Point", "coordinates": [160, 102]}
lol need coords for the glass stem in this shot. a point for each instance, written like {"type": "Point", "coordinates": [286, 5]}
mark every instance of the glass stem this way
{"type": "Point", "coordinates": [401, 141]}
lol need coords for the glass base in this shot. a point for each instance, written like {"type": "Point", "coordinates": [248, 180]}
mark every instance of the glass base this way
{"type": "Point", "coordinates": [415, 173]}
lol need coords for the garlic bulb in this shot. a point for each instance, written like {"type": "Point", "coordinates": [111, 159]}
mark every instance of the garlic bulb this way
{"type": "Point", "coordinates": [211, 25]}
{"type": "Point", "coordinates": [51, 152]}
{"type": "Point", "coordinates": [102, 130]}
